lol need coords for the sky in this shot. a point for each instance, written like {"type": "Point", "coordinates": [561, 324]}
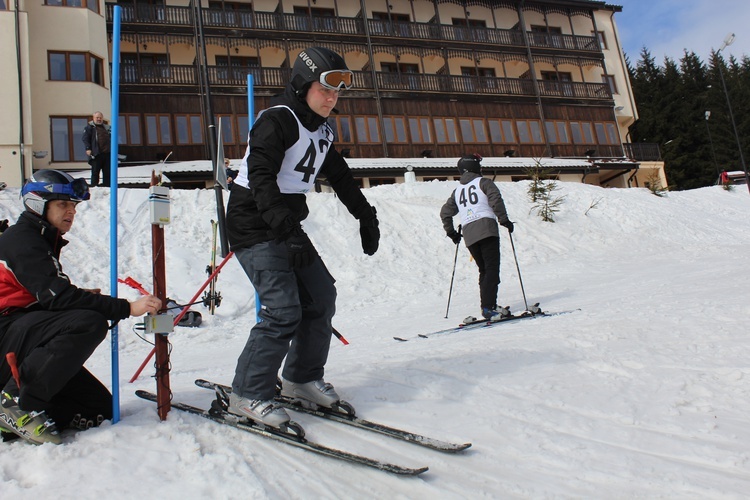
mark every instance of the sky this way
{"type": "Point", "coordinates": [643, 391]}
{"type": "Point", "coordinates": [668, 27]}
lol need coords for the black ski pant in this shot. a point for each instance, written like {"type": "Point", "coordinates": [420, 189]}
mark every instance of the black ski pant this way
{"type": "Point", "coordinates": [294, 321]}
{"type": "Point", "coordinates": [51, 348]}
{"type": "Point", "coordinates": [486, 253]}
{"type": "Point", "coordinates": [100, 163]}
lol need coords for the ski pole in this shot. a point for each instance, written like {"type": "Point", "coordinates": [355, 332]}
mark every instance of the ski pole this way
{"type": "Point", "coordinates": [339, 336]}
{"type": "Point", "coordinates": [453, 274]}
{"type": "Point", "coordinates": [523, 292]}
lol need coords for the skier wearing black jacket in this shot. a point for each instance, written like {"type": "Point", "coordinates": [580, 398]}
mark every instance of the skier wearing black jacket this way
{"type": "Point", "coordinates": [289, 146]}
{"type": "Point", "coordinates": [480, 205]}
{"type": "Point", "coordinates": [51, 325]}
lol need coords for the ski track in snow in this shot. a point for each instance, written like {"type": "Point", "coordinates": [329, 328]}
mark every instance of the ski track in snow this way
{"type": "Point", "coordinates": [643, 392]}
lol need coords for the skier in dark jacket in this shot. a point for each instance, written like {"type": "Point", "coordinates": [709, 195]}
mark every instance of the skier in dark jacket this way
{"type": "Point", "coordinates": [479, 203]}
{"type": "Point", "coordinates": [289, 146]}
{"type": "Point", "coordinates": [51, 325]}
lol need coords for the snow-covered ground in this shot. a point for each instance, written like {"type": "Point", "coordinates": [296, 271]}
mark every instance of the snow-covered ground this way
{"type": "Point", "coordinates": [643, 392]}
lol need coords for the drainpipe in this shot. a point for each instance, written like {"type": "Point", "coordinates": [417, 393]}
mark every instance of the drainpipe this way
{"type": "Point", "coordinates": [532, 70]}
{"type": "Point", "coordinates": [20, 97]}
{"type": "Point", "coordinates": [376, 87]}
{"type": "Point", "coordinates": [632, 177]}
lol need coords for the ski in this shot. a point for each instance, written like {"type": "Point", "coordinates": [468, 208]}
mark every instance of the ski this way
{"type": "Point", "coordinates": [351, 419]}
{"type": "Point", "coordinates": [211, 298]}
{"type": "Point", "coordinates": [484, 323]}
{"type": "Point", "coordinates": [222, 417]}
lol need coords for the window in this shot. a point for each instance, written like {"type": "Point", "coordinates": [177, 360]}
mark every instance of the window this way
{"type": "Point", "coordinates": [129, 130]}
{"type": "Point", "coordinates": [581, 133]}
{"type": "Point", "coordinates": [158, 130]}
{"type": "Point", "coordinates": [242, 129]}
{"type": "Point", "coordinates": [323, 19]}
{"type": "Point", "coordinates": [235, 67]}
{"type": "Point", "coordinates": [612, 136]}
{"type": "Point", "coordinates": [66, 138]}
{"type": "Point", "coordinates": [549, 128]}
{"type": "Point", "coordinates": [227, 130]}
{"type": "Point", "coordinates": [75, 67]}
{"type": "Point", "coordinates": [445, 130]}
{"type": "Point", "coordinates": [419, 128]}
{"type": "Point", "coordinates": [367, 129]}
{"type": "Point", "coordinates": [529, 131]}
{"type": "Point", "coordinates": [92, 5]}
{"type": "Point", "coordinates": [395, 129]}
{"type": "Point", "coordinates": [588, 133]}
{"type": "Point", "coordinates": [342, 128]}
{"type": "Point", "coordinates": [606, 133]}
{"type": "Point", "coordinates": [610, 80]}
{"type": "Point", "coordinates": [473, 130]}
{"type": "Point", "coordinates": [501, 131]}
{"type": "Point", "coordinates": [3, 5]}
{"type": "Point", "coordinates": [401, 75]}
{"type": "Point", "coordinates": [602, 39]}
{"type": "Point", "coordinates": [189, 129]}
{"type": "Point", "coordinates": [381, 181]}
{"type": "Point", "coordinates": [562, 133]}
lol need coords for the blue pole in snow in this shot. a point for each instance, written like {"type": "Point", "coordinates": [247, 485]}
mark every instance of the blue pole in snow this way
{"type": "Point", "coordinates": [115, 114]}
{"type": "Point", "coordinates": [250, 121]}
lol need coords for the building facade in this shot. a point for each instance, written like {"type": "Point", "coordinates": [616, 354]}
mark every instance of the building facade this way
{"type": "Point", "coordinates": [432, 78]}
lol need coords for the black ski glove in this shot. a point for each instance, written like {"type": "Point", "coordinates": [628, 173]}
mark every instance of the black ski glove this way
{"type": "Point", "coordinates": [453, 235]}
{"type": "Point", "coordinates": [507, 225]}
{"type": "Point", "coordinates": [369, 232]}
{"type": "Point", "coordinates": [301, 250]}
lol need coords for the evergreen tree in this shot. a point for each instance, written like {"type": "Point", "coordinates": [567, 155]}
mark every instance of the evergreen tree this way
{"type": "Point", "coordinates": [672, 101]}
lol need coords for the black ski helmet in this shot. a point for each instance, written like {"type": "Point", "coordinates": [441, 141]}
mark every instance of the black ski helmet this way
{"type": "Point", "coordinates": [48, 184]}
{"type": "Point", "coordinates": [311, 64]}
{"type": "Point", "coordinates": [470, 163]}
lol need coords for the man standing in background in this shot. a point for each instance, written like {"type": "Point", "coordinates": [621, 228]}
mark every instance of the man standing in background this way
{"type": "Point", "coordinates": [96, 138]}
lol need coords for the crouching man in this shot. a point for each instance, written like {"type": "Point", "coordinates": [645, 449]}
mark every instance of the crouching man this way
{"type": "Point", "coordinates": [51, 325]}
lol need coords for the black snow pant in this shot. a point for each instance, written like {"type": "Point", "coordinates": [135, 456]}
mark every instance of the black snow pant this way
{"type": "Point", "coordinates": [51, 348]}
{"type": "Point", "coordinates": [100, 163]}
{"type": "Point", "coordinates": [486, 254]}
{"type": "Point", "coordinates": [294, 321]}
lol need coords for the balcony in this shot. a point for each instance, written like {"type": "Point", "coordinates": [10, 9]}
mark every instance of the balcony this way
{"type": "Point", "coordinates": [160, 15]}
{"type": "Point", "coordinates": [642, 151]}
{"type": "Point", "coordinates": [272, 79]}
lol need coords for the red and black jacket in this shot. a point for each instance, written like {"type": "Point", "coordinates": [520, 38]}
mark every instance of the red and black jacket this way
{"type": "Point", "coordinates": [32, 278]}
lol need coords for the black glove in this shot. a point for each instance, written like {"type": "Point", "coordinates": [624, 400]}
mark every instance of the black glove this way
{"type": "Point", "coordinates": [301, 250]}
{"type": "Point", "coordinates": [507, 225]}
{"type": "Point", "coordinates": [369, 232]}
{"type": "Point", "coordinates": [456, 237]}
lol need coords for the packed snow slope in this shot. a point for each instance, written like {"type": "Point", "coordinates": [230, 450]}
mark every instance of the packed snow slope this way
{"type": "Point", "coordinates": [642, 391]}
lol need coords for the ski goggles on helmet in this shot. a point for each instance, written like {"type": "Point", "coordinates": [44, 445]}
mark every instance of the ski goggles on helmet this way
{"type": "Point", "coordinates": [78, 190]}
{"type": "Point", "coordinates": [337, 78]}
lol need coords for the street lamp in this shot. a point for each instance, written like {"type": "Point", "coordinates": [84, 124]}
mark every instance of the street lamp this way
{"type": "Point", "coordinates": [713, 153]}
{"type": "Point", "coordinates": [729, 40]}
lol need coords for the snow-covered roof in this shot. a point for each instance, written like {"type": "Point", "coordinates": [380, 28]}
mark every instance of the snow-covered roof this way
{"type": "Point", "coordinates": [141, 174]}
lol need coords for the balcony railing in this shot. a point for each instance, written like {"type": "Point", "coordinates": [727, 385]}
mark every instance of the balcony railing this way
{"type": "Point", "coordinates": [642, 151]}
{"type": "Point", "coordinates": [273, 21]}
{"type": "Point", "coordinates": [186, 75]}
{"type": "Point", "coordinates": [574, 89]}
